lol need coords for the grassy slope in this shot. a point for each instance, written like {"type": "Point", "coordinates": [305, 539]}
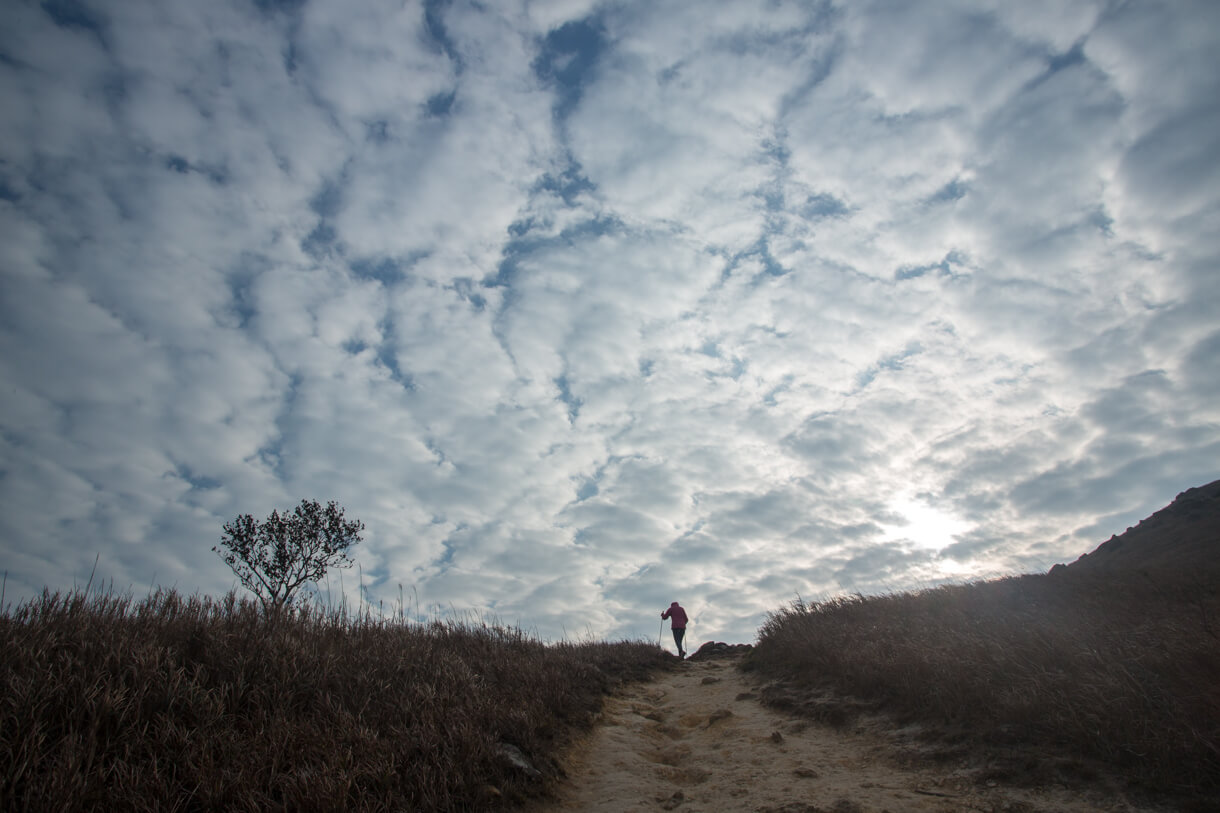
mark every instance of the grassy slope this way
{"type": "Point", "coordinates": [193, 704]}
{"type": "Point", "coordinates": [1038, 669]}
{"type": "Point", "coordinates": [198, 704]}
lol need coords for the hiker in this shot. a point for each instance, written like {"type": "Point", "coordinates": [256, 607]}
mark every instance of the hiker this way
{"type": "Point", "coordinates": [677, 623]}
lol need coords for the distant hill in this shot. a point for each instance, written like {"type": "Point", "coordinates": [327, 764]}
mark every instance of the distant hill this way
{"type": "Point", "coordinates": [1185, 535]}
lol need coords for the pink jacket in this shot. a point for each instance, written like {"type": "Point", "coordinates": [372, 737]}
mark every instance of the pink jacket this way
{"type": "Point", "coordinates": [677, 614]}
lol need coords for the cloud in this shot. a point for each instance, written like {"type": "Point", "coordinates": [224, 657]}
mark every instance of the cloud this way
{"type": "Point", "coordinates": [586, 307]}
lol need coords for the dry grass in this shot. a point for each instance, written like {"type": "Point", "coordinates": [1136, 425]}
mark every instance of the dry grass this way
{"type": "Point", "coordinates": [1037, 671]}
{"type": "Point", "coordinates": [174, 703]}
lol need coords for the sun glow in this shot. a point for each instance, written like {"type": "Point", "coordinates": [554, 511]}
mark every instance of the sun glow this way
{"type": "Point", "coordinates": [926, 527]}
{"type": "Point", "coordinates": [954, 568]}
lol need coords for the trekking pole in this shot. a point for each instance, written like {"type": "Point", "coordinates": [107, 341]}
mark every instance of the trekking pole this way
{"type": "Point", "coordinates": [660, 630]}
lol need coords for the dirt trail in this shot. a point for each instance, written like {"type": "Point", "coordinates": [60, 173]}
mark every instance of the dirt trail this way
{"type": "Point", "coordinates": [698, 740]}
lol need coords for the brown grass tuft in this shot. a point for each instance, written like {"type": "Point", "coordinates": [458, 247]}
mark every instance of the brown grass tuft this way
{"type": "Point", "coordinates": [177, 703]}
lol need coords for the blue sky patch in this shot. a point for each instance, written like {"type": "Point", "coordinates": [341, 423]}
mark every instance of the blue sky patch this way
{"type": "Point", "coordinates": [823, 205]}
{"type": "Point", "coordinates": [587, 489]}
{"type": "Point", "coordinates": [568, 184]}
{"type": "Point", "coordinates": [387, 357]}
{"type": "Point", "coordinates": [319, 241]}
{"type": "Point", "coordinates": [386, 270]}
{"type": "Point", "coordinates": [7, 192]}
{"type": "Point", "coordinates": [198, 482]}
{"type": "Point", "coordinates": [440, 104]}
{"type": "Point", "coordinates": [434, 21]}
{"type": "Point", "coordinates": [280, 6]}
{"type": "Point", "coordinates": [568, 58]}
{"type": "Point", "coordinates": [567, 398]}
{"type": "Point", "coordinates": [954, 190]}
{"type": "Point", "coordinates": [73, 14]}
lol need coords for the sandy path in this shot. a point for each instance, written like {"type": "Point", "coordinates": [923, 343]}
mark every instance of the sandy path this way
{"type": "Point", "coordinates": [697, 739]}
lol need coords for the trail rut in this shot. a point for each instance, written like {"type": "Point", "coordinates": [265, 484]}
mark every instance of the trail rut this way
{"type": "Point", "coordinates": [697, 739]}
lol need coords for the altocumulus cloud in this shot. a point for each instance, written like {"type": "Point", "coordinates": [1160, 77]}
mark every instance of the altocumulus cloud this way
{"type": "Point", "coordinates": [584, 307]}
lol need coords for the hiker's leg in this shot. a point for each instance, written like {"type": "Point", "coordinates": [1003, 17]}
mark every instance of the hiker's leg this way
{"type": "Point", "coordinates": [678, 635]}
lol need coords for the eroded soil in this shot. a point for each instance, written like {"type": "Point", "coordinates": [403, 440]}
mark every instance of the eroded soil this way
{"type": "Point", "coordinates": [697, 739]}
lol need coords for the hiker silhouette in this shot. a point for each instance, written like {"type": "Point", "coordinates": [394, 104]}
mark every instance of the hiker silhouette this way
{"type": "Point", "coordinates": [677, 623]}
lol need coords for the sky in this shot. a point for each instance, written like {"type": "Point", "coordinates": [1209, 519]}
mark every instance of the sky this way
{"type": "Point", "coordinates": [587, 307]}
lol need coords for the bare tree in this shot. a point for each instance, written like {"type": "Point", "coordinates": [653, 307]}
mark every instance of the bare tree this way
{"type": "Point", "coordinates": [275, 557]}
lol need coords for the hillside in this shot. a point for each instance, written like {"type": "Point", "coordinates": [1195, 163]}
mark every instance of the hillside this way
{"type": "Point", "coordinates": [195, 703]}
{"type": "Point", "coordinates": [1102, 669]}
{"type": "Point", "coordinates": [1095, 681]}
{"type": "Point", "coordinates": [1184, 536]}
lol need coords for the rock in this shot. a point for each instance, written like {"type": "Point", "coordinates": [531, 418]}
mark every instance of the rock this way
{"type": "Point", "coordinates": [847, 806]}
{"type": "Point", "coordinates": [718, 649]}
{"type": "Point", "coordinates": [514, 756]}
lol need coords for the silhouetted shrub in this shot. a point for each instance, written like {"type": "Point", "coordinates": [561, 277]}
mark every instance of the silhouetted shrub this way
{"type": "Point", "coordinates": [277, 556]}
